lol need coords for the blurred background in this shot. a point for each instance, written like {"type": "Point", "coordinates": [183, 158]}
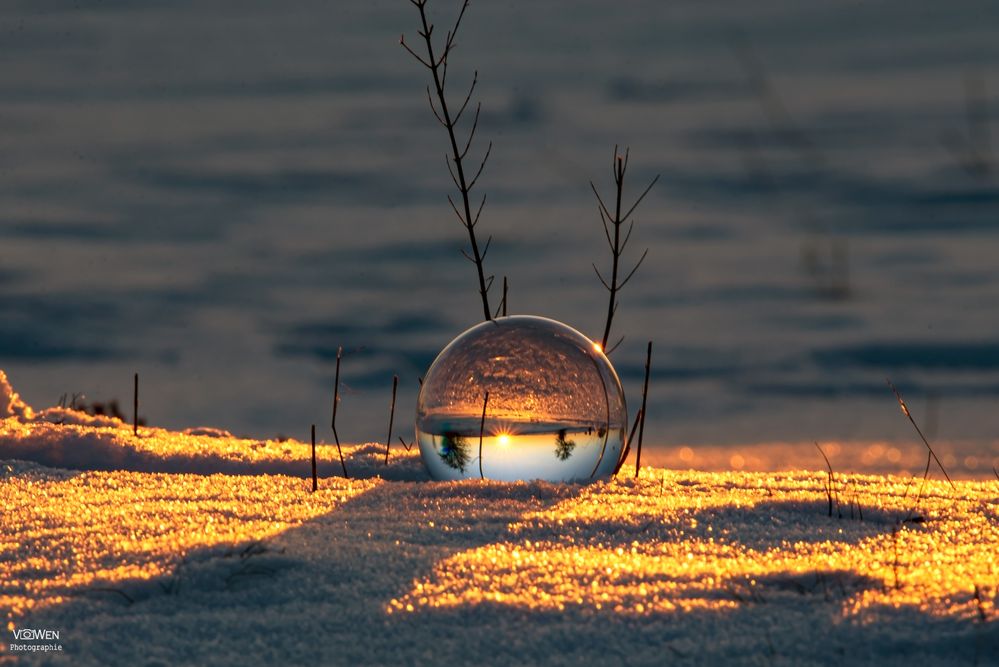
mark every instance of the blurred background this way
{"type": "Point", "coordinates": [219, 194]}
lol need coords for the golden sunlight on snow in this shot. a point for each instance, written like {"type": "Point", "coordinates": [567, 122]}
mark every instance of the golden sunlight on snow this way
{"type": "Point", "coordinates": [62, 532]}
{"type": "Point", "coordinates": [685, 540]}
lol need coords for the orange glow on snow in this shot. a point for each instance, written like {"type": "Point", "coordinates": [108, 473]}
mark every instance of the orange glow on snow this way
{"type": "Point", "coordinates": [97, 529]}
{"type": "Point", "coordinates": [674, 549]}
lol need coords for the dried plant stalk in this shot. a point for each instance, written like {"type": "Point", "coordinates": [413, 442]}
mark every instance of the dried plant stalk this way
{"type": "Point", "coordinates": [615, 240]}
{"type": "Point", "coordinates": [438, 66]}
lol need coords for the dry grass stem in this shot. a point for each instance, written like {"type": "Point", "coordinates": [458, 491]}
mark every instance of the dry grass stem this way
{"type": "Point", "coordinates": [388, 440]}
{"type": "Point", "coordinates": [905, 411]}
{"type": "Point", "coordinates": [135, 407]}
{"type": "Point", "coordinates": [482, 426]}
{"type": "Point", "coordinates": [643, 411]}
{"type": "Point", "coordinates": [336, 401]}
{"type": "Point", "coordinates": [315, 477]}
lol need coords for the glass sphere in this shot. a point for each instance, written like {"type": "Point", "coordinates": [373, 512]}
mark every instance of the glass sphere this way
{"type": "Point", "coordinates": [555, 409]}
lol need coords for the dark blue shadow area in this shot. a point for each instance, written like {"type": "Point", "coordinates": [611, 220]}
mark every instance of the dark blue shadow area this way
{"type": "Point", "coordinates": [347, 186]}
{"type": "Point", "coordinates": [665, 91]}
{"type": "Point", "coordinates": [76, 231]}
{"type": "Point", "coordinates": [857, 388]}
{"type": "Point", "coordinates": [44, 347]}
{"type": "Point", "coordinates": [57, 327]}
{"type": "Point", "coordinates": [953, 356]}
{"type": "Point", "coordinates": [373, 349]}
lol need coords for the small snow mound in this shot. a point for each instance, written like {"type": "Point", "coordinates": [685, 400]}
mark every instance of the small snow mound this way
{"type": "Point", "coordinates": [11, 404]}
{"type": "Point", "coordinates": [17, 468]}
{"type": "Point", "coordinates": [208, 431]}
{"type": "Point", "coordinates": [59, 415]}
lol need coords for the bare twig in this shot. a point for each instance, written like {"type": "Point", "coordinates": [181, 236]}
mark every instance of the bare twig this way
{"type": "Point", "coordinates": [388, 440]}
{"type": "Point", "coordinates": [905, 411]}
{"type": "Point", "coordinates": [482, 426]}
{"type": "Point", "coordinates": [641, 421]}
{"type": "Point", "coordinates": [437, 63]}
{"type": "Point", "coordinates": [315, 477]}
{"type": "Point", "coordinates": [627, 443]}
{"type": "Point", "coordinates": [135, 407]}
{"type": "Point", "coordinates": [615, 241]}
{"type": "Point", "coordinates": [501, 309]}
{"type": "Point", "coordinates": [336, 401]}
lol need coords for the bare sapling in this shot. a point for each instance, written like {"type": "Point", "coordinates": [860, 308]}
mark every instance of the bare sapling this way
{"type": "Point", "coordinates": [437, 62]}
{"type": "Point", "coordinates": [618, 241]}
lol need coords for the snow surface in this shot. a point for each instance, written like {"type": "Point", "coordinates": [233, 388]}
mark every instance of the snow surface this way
{"type": "Point", "coordinates": [167, 564]}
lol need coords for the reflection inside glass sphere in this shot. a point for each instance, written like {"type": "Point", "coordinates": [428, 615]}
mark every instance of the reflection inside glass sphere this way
{"type": "Point", "coordinates": [555, 409]}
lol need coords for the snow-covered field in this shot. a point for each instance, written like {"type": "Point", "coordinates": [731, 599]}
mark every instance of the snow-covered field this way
{"type": "Point", "coordinates": [139, 556]}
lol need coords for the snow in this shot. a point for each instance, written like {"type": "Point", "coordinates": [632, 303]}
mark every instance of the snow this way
{"type": "Point", "coordinates": [151, 551]}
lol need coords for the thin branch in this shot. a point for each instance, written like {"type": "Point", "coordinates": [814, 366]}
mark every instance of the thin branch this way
{"type": "Point", "coordinates": [471, 88]}
{"type": "Point", "coordinates": [402, 40]}
{"type": "Point", "coordinates": [613, 347]}
{"type": "Point", "coordinates": [600, 202]}
{"type": "Point", "coordinates": [628, 277]}
{"type": "Point", "coordinates": [475, 220]}
{"type": "Point", "coordinates": [471, 133]}
{"type": "Point", "coordinates": [645, 394]}
{"type": "Point", "coordinates": [482, 426]}
{"type": "Point", "coordinates": [482, 165]}
{"type": "Point", "coordinates": [388, 440]}
{"type": "Point", "coordinates": [638, 201]}
{"type": "Point", "coordinates": [601, 278]}
{"type": "Point", "coordinates": [455, 209]}
{"type": "Point", "coordinates": [627, 443]}
{"type": "Point", "coordinates": [336, 401]}
{"type": "Point", "coordinates": [627, 237]}
{"type": "Point", "coordinates": [433, 108]}
{"type": "Point", "coordinates": [315, 478]}
{"type": "Point", "coordinates": [603, 220]}
{"type": "Point", "coordinates": [454, 177]}
{"type": "Point", "coordinates": [135, 407]}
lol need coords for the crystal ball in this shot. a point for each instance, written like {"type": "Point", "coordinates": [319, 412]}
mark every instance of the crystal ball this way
{"type": "Point", "coordinates": [555, 408]}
